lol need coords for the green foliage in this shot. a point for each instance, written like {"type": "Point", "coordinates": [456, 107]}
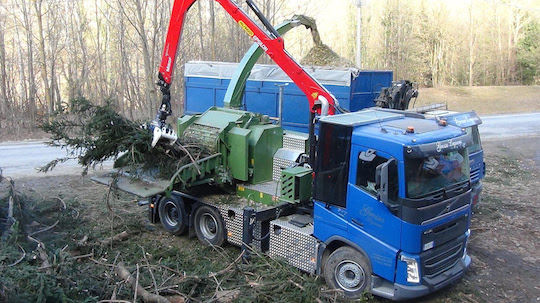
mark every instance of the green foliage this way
{"type": "Point", "coordinates": [27, 282]}
{"type": "Point", "coordinates": [528, 53]}
{"type": "Point", "coordinates": [93, 134]}
{"type": "Point", "coordinates": [23, 277]}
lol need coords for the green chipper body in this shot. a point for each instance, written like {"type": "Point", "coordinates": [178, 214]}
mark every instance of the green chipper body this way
{"type": "Point", "coordinates": [245, 153]}
{"type": "Point", "coordinates": [242, 145]}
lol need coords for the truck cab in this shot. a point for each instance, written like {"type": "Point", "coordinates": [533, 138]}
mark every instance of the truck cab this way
{"type": "Point", "coordinates": [470, 122]}
{"type": "Point", "coordinates": [397, 190]}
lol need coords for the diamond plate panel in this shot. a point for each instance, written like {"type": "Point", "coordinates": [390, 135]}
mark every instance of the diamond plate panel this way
{"type": "Point", "coordinates": [295, 142]}
{"type": "Point", "coordinates": [295, 244]}
{"type": "Point", "coordinates": [234, 221]}
{"type": "Point", "coordinates": [278, 166]}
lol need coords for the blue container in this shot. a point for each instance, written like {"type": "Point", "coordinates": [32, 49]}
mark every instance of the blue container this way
{"type": "Point", "coordinates": [207, 82]}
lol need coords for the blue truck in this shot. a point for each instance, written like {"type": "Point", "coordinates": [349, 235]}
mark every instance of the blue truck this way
{"type": "Point", "coordinates": [413, 229]}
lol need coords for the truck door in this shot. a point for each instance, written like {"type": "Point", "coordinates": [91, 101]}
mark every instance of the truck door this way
{"type": "Point", "coordinates": [331, 180]}
{"type": "Point", "coordinates": [372, 225]}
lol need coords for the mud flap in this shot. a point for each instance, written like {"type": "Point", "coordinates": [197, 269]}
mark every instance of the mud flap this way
{"type": "Point", "coordinates": [153, 215]}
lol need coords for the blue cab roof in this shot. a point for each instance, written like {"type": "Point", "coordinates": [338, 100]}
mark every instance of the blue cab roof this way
{"type": "Point", "coordinates": [374, 127]}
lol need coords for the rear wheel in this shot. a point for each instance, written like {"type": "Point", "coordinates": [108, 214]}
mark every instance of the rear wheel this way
{"type": "Point", "coordinates": [348, 270]}
{"type": "Point", "coordinates": [209, 226]}
{"type": "Point", "coordinates": [172, 215]}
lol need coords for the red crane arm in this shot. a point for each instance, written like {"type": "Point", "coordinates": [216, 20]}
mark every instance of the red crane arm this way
{"type": "Point", "coordinates": [319, 98]}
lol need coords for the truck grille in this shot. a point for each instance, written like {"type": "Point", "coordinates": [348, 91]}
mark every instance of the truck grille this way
{"type": "Point", "coordinates": [446, 232]}
{"type": "Point", "coordinates": [475, 175]}
{"type": "Point", "coordinates": [441, 259]}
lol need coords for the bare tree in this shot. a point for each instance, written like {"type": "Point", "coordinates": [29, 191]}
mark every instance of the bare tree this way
{"type": "Point", "coordinates": [212, 31]}
{"type": "Point", "coordinates": [23, 87]}
{"type": "Point", "coordinates": [472, 43]}
{"type": "Point", "coordinates": [201, 30]}
{"type": "Point", "coordinates": [3, 73]}
{"type": "Point", "coordinates": [27, 22]}
{"type": "Point", "coordinates": [43, 57]}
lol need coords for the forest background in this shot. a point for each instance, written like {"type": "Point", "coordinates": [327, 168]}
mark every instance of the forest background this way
{"type": "Point", "coordinates": [54, 50]}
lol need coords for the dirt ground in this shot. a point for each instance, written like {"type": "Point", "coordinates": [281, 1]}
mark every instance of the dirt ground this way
{"type": "Point", "coordinates": [504, 243]}
{"type": "Point", "coordinates": [505, 229]}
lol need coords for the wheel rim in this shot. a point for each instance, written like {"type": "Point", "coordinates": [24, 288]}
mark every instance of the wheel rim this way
{"type": "Point", "coordinates": [208, 226]}
{"type": "Point", "coordinates": [171, 213]}
{"type": "Point", "coordinates": [350, 276]}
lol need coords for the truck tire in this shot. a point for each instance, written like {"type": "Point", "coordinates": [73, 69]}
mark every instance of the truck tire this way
{"type": "Point", "coordinates": [209, 226]}
{"type": "Point", "coordinates": [348, 270]}
{"type": "Point", "coordinates": [172, 215]}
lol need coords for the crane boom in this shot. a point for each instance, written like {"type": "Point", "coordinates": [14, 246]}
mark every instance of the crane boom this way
{"type": "Point", "coordinates": [321, 101]}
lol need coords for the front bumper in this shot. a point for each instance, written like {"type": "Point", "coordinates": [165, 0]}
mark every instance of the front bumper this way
{"type": "Point", "coordinates": [399, 292]}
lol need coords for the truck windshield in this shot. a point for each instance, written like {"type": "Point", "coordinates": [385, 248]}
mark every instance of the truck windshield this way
{"type": "Point", "coordinates": [477, 145]}
{"type": "Point", "coordinates": [426, 176]}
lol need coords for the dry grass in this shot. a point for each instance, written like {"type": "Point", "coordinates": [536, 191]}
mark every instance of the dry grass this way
{"type": "Point", "coordinates": [485, 100]}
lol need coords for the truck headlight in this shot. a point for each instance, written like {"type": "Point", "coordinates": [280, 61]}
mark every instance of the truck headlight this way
{"type": "Point", "coordinates": [413, 275]}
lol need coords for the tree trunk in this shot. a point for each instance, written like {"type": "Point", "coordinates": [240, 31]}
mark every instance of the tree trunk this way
{"type": "Point", "coordinates": [43, 63]}
{"type": "Point", "coordinates": [3, 73]}
{"type": "Point", "coordinates": [148, 74]}
{"type": "Point", "coordinates": [70, 69]}
{"type": "Point", "coordinates": [100, 78]}
{"type": "Point", "coordinates": [500, 55]}
{"type": "Point", "coordinates": [212, 31]}
{"type": "Point", "coordinates": [472, 40]}
{"type": "Point", "coordinates": [122, 88]}
{"type": "Point", "coordinates": [201, 31]}
{"type": "Point", "coordinates": [32, 91]}
{"type": "Point", "coordinates": [23, 88]}
{"type": "Point", "coordinates": [54, 47]}
{"type": "Point", "coordinates": [82, 80]}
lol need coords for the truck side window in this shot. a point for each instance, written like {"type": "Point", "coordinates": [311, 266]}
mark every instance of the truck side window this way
{"type": "Point", "coordinates": [365, 174]}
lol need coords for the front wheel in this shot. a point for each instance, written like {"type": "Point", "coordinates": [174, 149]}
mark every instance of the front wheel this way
{"type": "Point", "coordinates": [209, 226]}
{"type": "Point", "coordinates": [348, 270]}
{"type": "Point", "coordinates": [172, 215]}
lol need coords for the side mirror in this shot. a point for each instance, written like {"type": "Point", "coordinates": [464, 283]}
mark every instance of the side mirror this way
{"type": "Point", "coordinates": [381, 182]}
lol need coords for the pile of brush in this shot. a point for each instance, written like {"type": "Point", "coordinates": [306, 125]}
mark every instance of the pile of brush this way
{"type": "Point", "coordinates": [93, 134]}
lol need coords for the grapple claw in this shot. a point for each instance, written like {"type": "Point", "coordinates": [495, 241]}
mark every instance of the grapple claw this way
{"type": "Point", "coordinates": [161, 132]}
